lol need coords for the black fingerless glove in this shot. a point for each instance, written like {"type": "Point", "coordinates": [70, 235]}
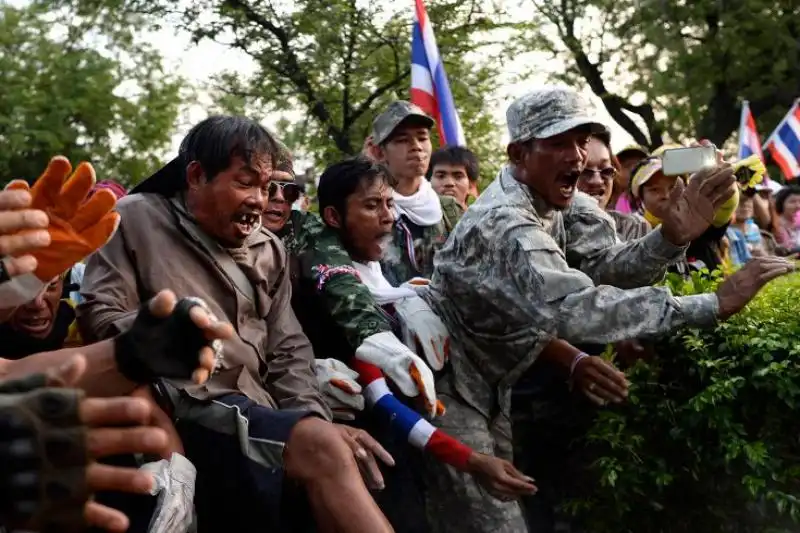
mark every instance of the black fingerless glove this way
{"type": "Point", "coordinates": [161, 347]}
{"type": "Point", "coordinates": [43, 457]}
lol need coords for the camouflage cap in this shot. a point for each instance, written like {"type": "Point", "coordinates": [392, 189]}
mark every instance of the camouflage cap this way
{"type": "Point", "coordinates": [548, 112]}
{"type": "Point", "coordinates": [397, 112]}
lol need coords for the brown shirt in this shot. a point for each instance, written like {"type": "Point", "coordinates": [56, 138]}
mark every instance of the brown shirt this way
{"type": "Point", "coordinates": [157, 247]}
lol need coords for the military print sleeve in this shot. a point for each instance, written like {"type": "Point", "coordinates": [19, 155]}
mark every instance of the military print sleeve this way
{"type": "Point", "coordinates": [451, 212]}
{"type": "Point", "coordinates": [594, 248]}
{"type": "Point", "coordinates": [564, 301]}
{"type": "Point", "coordinates": [348, 301]}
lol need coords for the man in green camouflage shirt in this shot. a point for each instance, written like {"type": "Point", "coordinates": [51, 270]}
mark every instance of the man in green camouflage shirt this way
{"type": "Point", "coordinates": [315, 251]}
{"type": "Point", "coordinates": [401, 140]}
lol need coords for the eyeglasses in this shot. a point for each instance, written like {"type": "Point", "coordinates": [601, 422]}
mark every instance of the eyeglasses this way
{"type": "Point", "coordinates": [291, 191]}
{"type": "Point", "coordinates": [607, 173]}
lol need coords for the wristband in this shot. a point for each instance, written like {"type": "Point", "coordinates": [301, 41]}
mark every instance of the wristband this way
{"type": "Point", "coordinates": [578, 358]}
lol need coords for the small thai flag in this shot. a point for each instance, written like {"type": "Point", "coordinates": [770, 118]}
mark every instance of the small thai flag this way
{"type": "Point", "coordinates": [429, 87]}
{"type": "Point", "coordinates": [749, 141]}
{"type": "Point", "coordinates": [784, 143]}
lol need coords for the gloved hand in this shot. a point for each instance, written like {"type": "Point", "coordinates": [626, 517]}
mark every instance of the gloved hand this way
{"type": "Point", "coordinates": [76, 229]}
{"type": "Point", "coordinates": [339, 388]}
{"type": "Point", "coordinates": [174, 485]}
{"type": "Point", "coordinates": [422, 328]}
{"type": "Point", "coordinates": [50, 440]}
{"type": "Point", "coordinates": [416, 284]}
{"type": "Point", "coordinates": [410, 373]}
{"type": "Point", "coordinates": [43, 456]}
{"type": "Point", "coordinates": [169, 345]}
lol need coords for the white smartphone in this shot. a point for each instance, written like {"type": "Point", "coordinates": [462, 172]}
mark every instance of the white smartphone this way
{"type": "Point", "coordinates": [684, 161]}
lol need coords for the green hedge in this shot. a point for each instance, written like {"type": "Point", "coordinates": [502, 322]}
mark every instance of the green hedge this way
{"type": "Point", "coordinates": [709, 441]}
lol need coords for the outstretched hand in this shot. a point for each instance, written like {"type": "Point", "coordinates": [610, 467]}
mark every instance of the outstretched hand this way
{"type": "Point", "coordinates": [692, 207]}
{"type": "Point", "coordinates": [54, 436]}
{"type": "Point", "coordinates": [172, 338]}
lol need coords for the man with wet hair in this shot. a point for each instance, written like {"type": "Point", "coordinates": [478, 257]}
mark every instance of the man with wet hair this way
{"type": "Point", "coordinates": [260, 422]}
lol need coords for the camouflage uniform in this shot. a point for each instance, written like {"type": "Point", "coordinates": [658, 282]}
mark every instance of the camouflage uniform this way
{"type": "Point", "coordinates": [399, 264]}
{"type": "Point", "coordinates": [413, 247]}
{"type": "Point", "coordinates": [337, 313]}
{"type": "Point", "coordinates": [515, 274]}
{"type": "Point", "coordinates": [630, 226]}
{"type": "Point", "coordinates": [316, 252]}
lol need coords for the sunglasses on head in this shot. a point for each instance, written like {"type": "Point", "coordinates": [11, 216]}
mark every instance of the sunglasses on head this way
{"type": "Point", "coordinates": [290, 191]}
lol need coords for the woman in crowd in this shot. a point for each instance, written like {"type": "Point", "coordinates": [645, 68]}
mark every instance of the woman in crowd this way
{"type": "Point", "coordinates": [787, 206]}
{"type": "Point", "coordinates": [627, 159]}
{"type": "Point", "coordinates": [601, 178]}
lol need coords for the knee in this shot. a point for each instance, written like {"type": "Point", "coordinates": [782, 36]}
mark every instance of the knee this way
{"type": "Point", "coordinates": [315, 450]}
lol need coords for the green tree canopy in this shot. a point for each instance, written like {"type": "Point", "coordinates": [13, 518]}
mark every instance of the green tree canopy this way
{"type": "Point", "coordinates": [88, 94]}
{"type": "Point", "coordinates": [677, 68]}
{"type": "Point", "coordinates": [339, 62]}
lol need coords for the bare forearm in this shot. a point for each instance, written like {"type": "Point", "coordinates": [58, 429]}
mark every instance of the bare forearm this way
{"type": "Point", "coordinates": [560, 353]}
{"type": "Point", "coordinates": [102, 378]}
{"type": "Point", "coordinates": [761, 212]}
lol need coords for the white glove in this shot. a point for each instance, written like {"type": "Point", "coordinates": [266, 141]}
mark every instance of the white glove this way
{"type": "Point", "coordinates": [174, 485]}
{"type": "Point", "coordinates": [422, 327]}
{"type": "Point", "coordinates": [337, 383]}
{"type": "Point", "coordinates": [386, 352]}
{"type": "Point", "coordinates": [416, 284]}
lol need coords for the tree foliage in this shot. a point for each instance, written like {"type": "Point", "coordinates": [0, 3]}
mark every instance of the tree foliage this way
{"type": "Point", "coordinates": [339, 62]}
{"type": "Point", "coordinates": [678, 69]}
{"type": "Point", "coordinates": [68, 89]}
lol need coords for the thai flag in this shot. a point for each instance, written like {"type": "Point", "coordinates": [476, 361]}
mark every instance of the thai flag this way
{"type": "Point", "coordinates": [784, 143]}
{"type": "Point", "coordinates": [429, 87]}
{"type": "Point", "coordinates": [749, 141]}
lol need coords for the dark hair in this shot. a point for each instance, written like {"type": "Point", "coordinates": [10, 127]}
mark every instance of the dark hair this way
{"type": "Point", "coordinates": [342, 179]}
{"type": "Point", "coordinates": [783, 195]}
{"type": "Point", "coordinates": [215, 141]}
{"type": "Point", "coordinates": [457, 156]}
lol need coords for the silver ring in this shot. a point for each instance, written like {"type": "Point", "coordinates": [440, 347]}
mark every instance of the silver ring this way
{"type": "Point", "coordinates": [592, 386]}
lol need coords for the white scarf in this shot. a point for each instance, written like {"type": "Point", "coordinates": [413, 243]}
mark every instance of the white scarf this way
{"type": "Point", "coordinates": [378, 286]}
{"type": "Point", "coordinates": [423, 208]}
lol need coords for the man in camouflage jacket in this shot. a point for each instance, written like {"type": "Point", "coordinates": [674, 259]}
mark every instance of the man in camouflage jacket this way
{"type": "Point", "coordinates": [401, 141]}
{"type": "Point", "coordinates": [314, 251]}
{"type": "Point", "coordinates": [525, 265]}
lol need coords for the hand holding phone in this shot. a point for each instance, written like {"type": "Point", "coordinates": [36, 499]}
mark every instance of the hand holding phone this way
{"type": "Point", "coordinates": [686, 161]}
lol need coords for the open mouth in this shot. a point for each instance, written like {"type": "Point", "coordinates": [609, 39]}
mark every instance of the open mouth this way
{"type": "Point", "coordinates": [246, 222]}
{"type": "Point", "coordinates": [35, 325]}
{"type": "Point", "coordinates": [567, 183]}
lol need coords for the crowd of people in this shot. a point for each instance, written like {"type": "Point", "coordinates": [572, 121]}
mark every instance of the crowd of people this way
{"type": "Point", "coordinates": [204, 353]}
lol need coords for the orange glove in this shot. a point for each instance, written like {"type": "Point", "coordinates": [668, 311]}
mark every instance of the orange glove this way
{"type": "Point", "coordinates": [77, 227]}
